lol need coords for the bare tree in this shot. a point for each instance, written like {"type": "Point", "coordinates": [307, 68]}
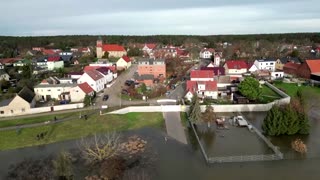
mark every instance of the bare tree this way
{"type": "Point", "coordinates": [63, 166]}
{"type": "Point", "coordinates": [100, 147]}
{"type": "Point", "coordinates": [208, 116]}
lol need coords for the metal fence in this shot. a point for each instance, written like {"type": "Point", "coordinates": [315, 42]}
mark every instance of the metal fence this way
{"type": "Point", "coordinates": [262, 157]}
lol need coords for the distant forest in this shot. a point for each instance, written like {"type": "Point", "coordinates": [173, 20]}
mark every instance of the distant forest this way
{"type": "Point", "coordinates": [9, 44]}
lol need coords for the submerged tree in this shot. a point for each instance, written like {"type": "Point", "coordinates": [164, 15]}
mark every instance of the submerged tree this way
{"type": "Point", "coordinates": [101, 147]}
{"type": "Point", "coordinates": [63, 166]}
{"type": "Point", "coordinates": [208, 116]}
{"type": "Point", "coordinates": [285, 120]}
{"type": "Point", "coordinates": [195, 111]}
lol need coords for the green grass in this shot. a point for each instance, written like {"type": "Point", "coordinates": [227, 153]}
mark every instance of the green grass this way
{"type": "Point", "coordinates": [268, 95]}
{"type": "Point", "coordinates": [292, 88]}
{"type": "Point", "coordinates": [184, 118]}
{"type": "Point", "coordinates": [78, 128]}
{"type": "Point", "coordinates": [32, 120]}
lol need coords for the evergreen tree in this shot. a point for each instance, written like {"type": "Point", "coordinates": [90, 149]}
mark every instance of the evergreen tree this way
{"type": "Point", "coordinates": [195, 111]}
{"type": "Point", "coordinates": [250, 88]}
{"type": "Point", "coordinates": [292, 120]}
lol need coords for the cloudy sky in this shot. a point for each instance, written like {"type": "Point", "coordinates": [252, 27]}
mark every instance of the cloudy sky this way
{"type": "Point", "coordinates": [149, 17]}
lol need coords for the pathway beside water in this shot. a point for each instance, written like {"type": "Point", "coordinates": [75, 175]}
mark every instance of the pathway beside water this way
{"type": "Point", "coordinates": [174, 126]}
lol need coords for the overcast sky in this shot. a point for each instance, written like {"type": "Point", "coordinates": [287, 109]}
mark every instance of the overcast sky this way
{"type": "Point", "coordinates": [149, 17]}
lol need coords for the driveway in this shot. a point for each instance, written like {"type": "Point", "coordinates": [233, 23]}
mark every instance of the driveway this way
{"type": "Point", "coordinates": [174, 126]}
{"type": "Point", "coordinates": [178, 92]}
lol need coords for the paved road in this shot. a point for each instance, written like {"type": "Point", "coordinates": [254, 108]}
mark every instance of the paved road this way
{"type": "Point", "coordinates": [174, 126]}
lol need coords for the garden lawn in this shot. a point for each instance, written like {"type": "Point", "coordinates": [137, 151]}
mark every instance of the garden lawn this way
{"type": "Point", "coordinates": [78, 128]}
{"type": "Point", "coordinates": [33, 120]}
{"type": "Point", "coordinates": [292, 88]}
{"type": "Point", "coordinates": [268, 95]}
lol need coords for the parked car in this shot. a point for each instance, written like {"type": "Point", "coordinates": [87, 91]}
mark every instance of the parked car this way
{"type": "Point", "coordinates": [105, 97]}
{"type": "Point", "coordinates": [64, 102]}
{"type": "Point", "coordinates": [129, 82]}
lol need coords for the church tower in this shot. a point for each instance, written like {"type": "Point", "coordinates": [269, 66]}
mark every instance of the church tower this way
{"type": "Point", "coordinates": [99, 48]}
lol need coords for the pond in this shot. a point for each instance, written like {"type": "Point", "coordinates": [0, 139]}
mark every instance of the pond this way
{"type": "Point", "coordinates": [178, 161]}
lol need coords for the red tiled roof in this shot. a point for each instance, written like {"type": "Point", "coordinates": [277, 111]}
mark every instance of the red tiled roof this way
{"type": "Point", "coordinates": [54, 58]}
{"type": "Point", "coordinates": [50, 51]}
{"type": "Point", "coordinates": [85, 88]}
{"type": "Point", "coordinates": [75, 73]}
{"type": "Point", "coordinates": [314, 65]}
{"type": "Point", "coordinates": [90, 68]}
{"type": "Point", "coordinates": [192, 86]}
{"type": "Point", "coordinates": [151, 46]}
{"type": "Point", "coordinates": [236, 64]}
{"type": "Point", "coordinates": [9, 60]}
{"type": "Point", "coordinates": [112, 47]}
{"type": "Point", "coordinates": [44, 81]}
{"type": "Point", "coordinates": [291, 65]}
{"type": "Point", "coordinates": [126, 58]}
{"type": "Point", "coordinates": [218, 71]}
{"type": "Point", "coordinates": [94, 74]}
{"type": "Point", "coordinates": [210, 50]}
{"type": "Point", "coordinates": [201, 74]}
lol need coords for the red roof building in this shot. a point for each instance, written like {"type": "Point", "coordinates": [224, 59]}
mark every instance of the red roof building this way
{"type": "Point", "coordinates": [126, 58]}
{"type": "Point", "coordinates": [86, 88]}
{"type": "Point", "coordinates": [204, 89]}
{"type": "Point", "coordinates": [95, 75]}
{"type": "Point", "coordinates": [54, 58]}
{"type": "Point", "coordinates": [309, 67]}
{"type": "Point", "coordinates": [236, 64]}
{"type": "Point", "coordinates": [291, 68]}
{"type": "Point", "coordinates": [151, 46]}
{"type": "Point", "coordinates": [201, 75]}
{"type": "Point", "coordinates": [112, 47]}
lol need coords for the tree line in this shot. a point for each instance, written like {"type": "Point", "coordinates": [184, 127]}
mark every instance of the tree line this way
{"type": "Point", "coordinates": [10, 45]}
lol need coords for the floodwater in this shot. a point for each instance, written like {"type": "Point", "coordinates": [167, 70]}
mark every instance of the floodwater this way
{"type": "Point", "coordinates": [178, 161]}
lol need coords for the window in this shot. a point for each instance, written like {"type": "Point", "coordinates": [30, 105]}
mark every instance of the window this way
{"type": "Point", "coordinates": [1, 112]}
{"type": "Point", "coordinates": [49, 90]}
{"type": "Point", "coordinates": [58, 89]}
{"type": "Point", "coordinates": [23, 110]}
{"type": "Point", "coordinates": [271, 63]}
{"type": "Point", "coordinates": [12, 111]}
{"type": "Point", "coordinates": [266, 63]}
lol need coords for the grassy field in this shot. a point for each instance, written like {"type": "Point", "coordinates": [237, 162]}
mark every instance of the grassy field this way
{"type": "Point", "coordinates": [292, 88]}
{"type": "Point", "coordinates": [39, 119]}
{"type": "Point", "coordinates": [268, 95]}
{"type": "Point", "coordinates": [78, 128]}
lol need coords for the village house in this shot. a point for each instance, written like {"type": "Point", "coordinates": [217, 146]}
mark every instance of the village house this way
{"type": "Point", "coordinates": [284, 60]}
{"type": "Point", "coordinates": [235, 68]}
{"type": "Point", "coordinates": [148, 68]}
{"type": "Point", "coordinates": [105, 71]}
{"type": "Point", "coordinates": [79, 92]}
{"type": "Point", "coordinates": [310, 69]}
{"type": "Point", "coordinates": [9, 61]}
{"type": "Point", "coordinates": [204, 89]}
{"type": "Point", "coordinates": [94, 78]}
{"type": "Point", "coordinates": [53, 89]}
{"type": "Point", "coordinates": [148, 48]}
{"type": "Point", "coordinates": [291, 69]}
{"type": "Point", "coordinates": [123, 63]}
{"type": "Point", "coordinates": [4, 75]}
{"type": "Point", "coordinates": [21, 103]}
{"type": "Point", "coordinates": [206, 53]}
{"type": "Point", "coordinates": [201, 75]}
{"type": "Point", "coordinates": [21, 63]}
{"type": "Point", "coordinates": [114, 50]}
{"type": "Point", "coordinates": [266, 64]}
{"type": "Point", "coordinates": [54, 63]}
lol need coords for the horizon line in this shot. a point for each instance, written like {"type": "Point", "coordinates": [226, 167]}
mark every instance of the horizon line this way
{"type": "Point", "coordinates": [158, 34]}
